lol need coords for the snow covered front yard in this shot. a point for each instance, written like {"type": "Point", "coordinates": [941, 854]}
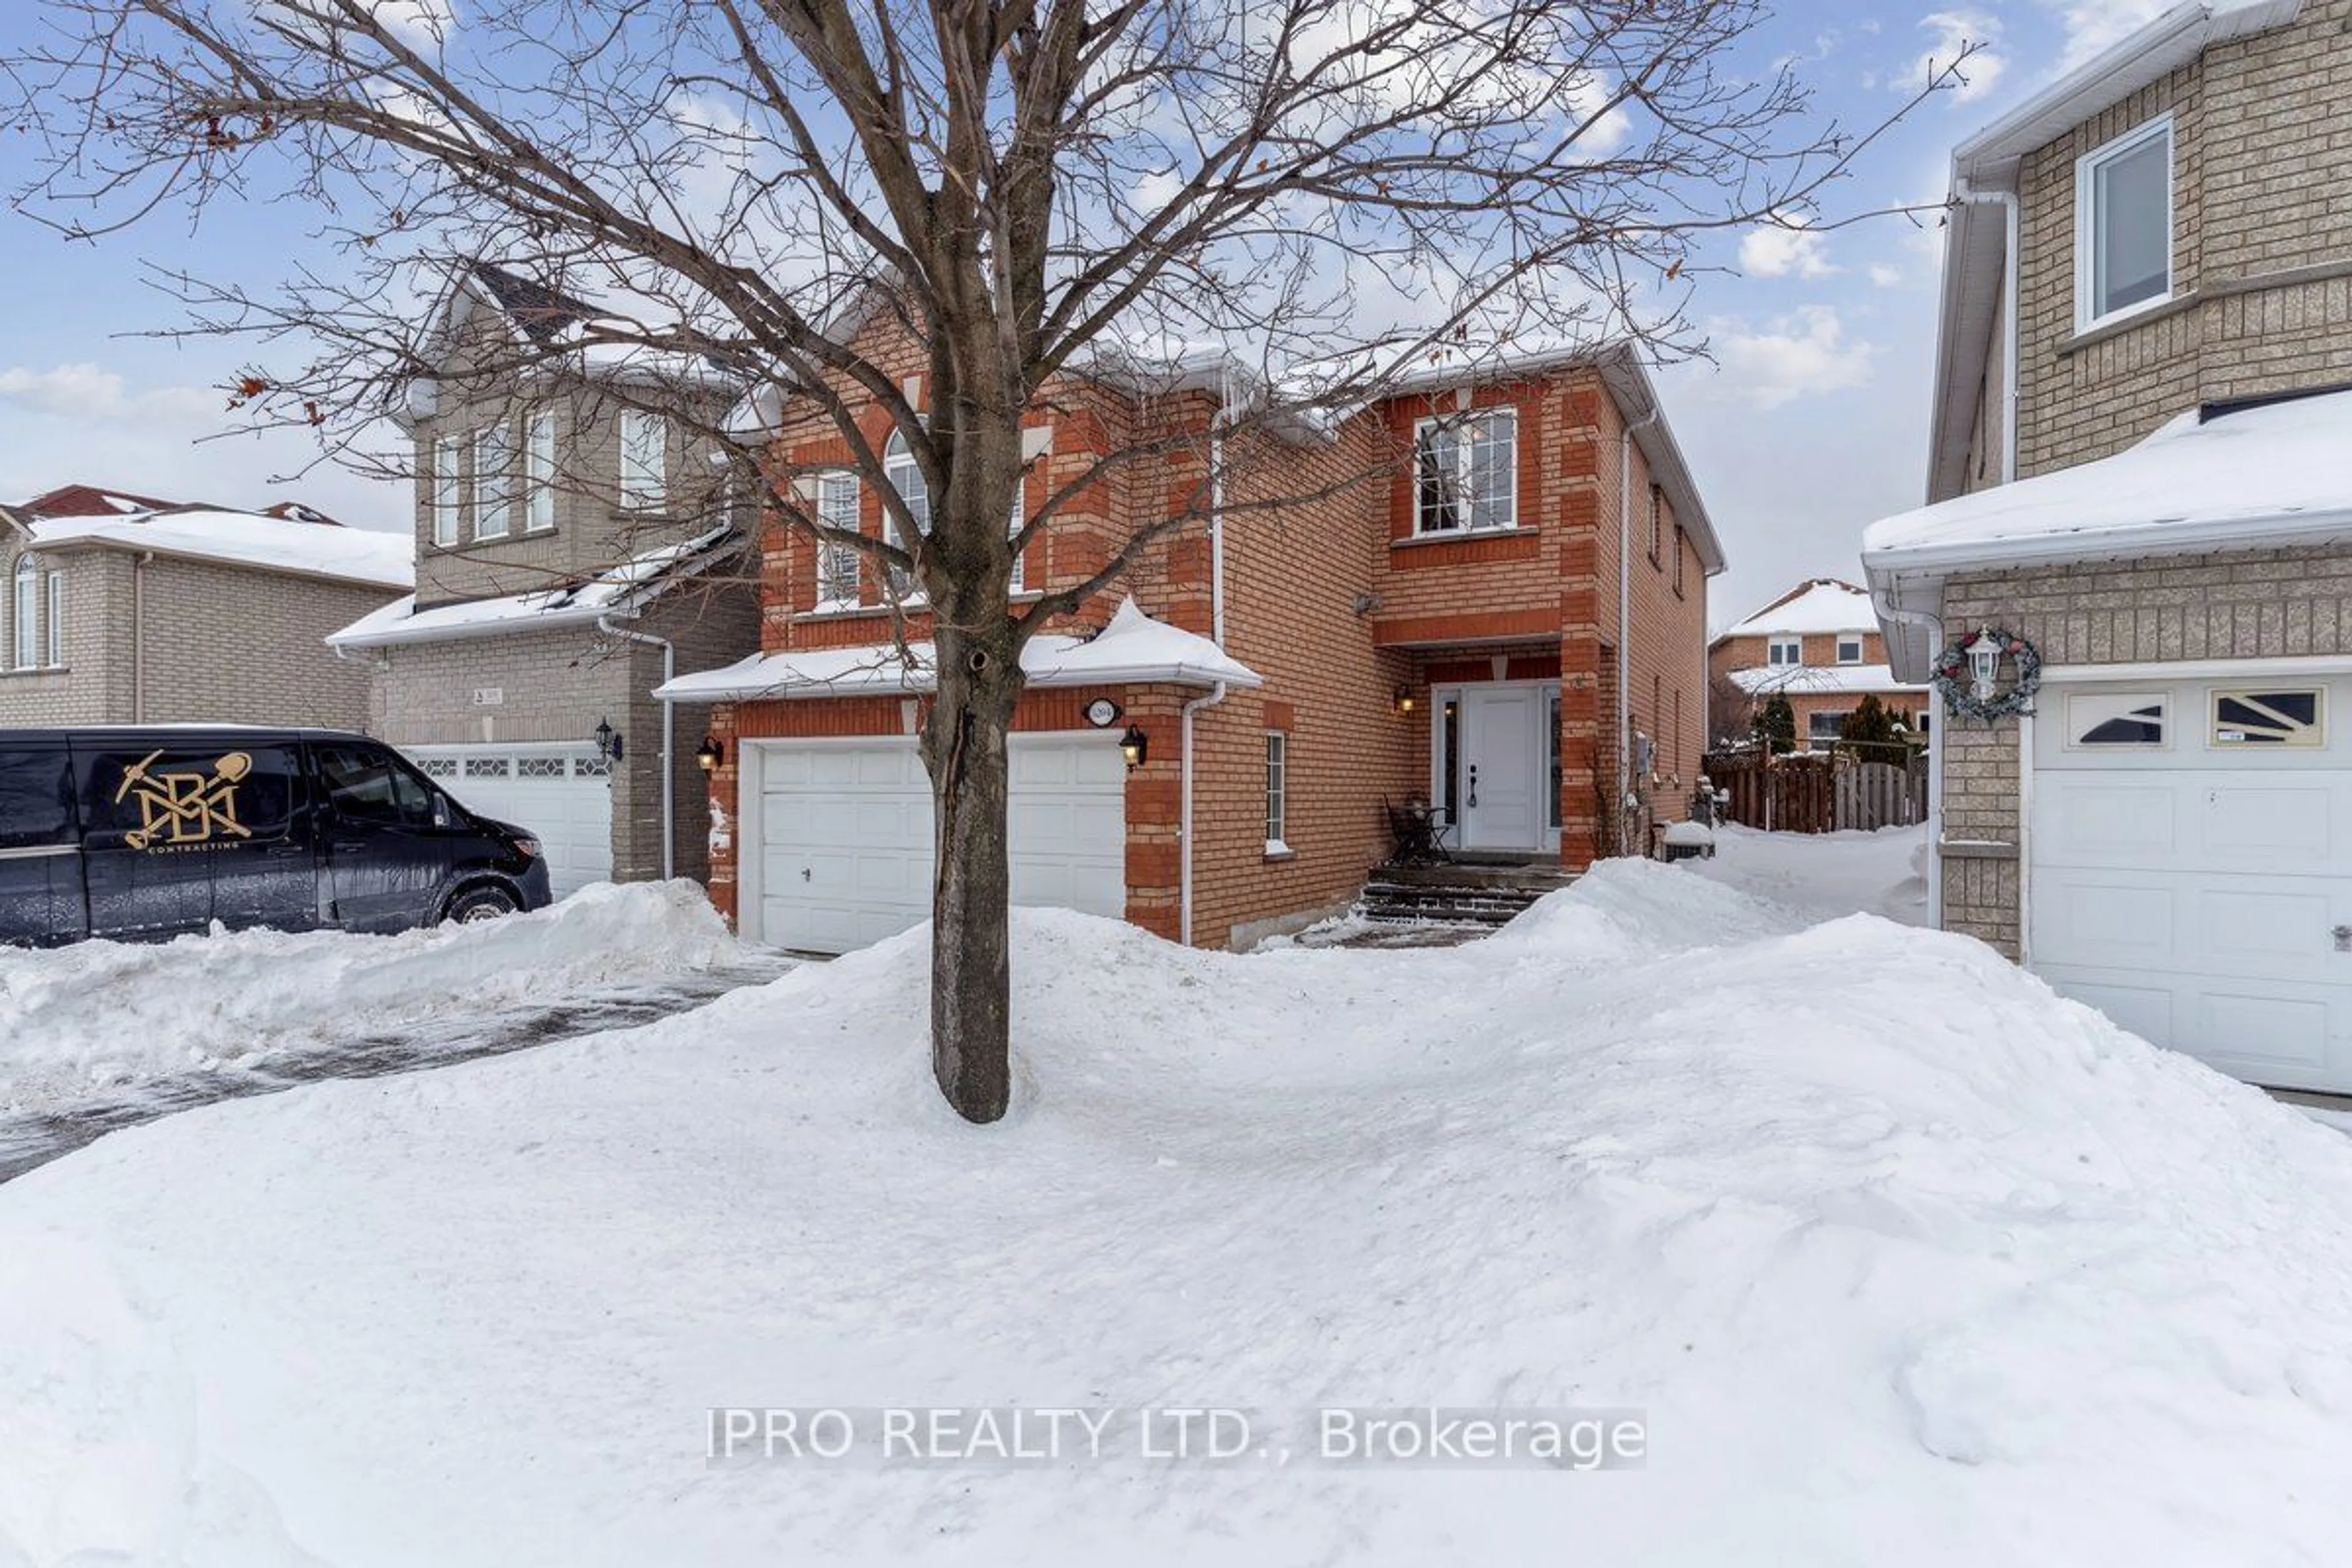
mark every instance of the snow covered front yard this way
{"type": "Point", "coordinates": [1900, 1258]}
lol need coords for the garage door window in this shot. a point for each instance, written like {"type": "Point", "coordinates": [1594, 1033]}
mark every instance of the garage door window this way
{"type": "Point", "coordinates": [2103, 721]}
{"type": "Point", "coordinates": [2296, 717]}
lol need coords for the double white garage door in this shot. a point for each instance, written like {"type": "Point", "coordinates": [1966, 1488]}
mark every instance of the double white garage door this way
{"type": "Point", "coordinates": [2189, 867]}
{"type": "Point", "coordinates": [562, 793]}
{"type": "Point", "coordinates": [838, 836]}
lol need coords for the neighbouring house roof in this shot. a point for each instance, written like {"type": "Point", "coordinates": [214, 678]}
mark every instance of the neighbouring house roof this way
{"type": "Point", "coordinates": [1824, 679]}
{"type": "Point", "coordinates": [623, 590]}
{"type": "Point", "coordinates": [1133, 649]}
{"type": "Point", "coordinates": [90, 500]}
{"type": "Point", "coordinates": [1974, 237]}
{"type": "Point", "coordinates": [243, 539]}
{"type": "Point", "coordinates": [1823, 605]}
{"type": "Point", "coordinates": [2256, 474]}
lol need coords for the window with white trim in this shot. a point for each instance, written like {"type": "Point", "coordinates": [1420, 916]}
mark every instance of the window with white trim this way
{"type": "Point", "coordinates": [539, 472]}
{"type": "Point", "coordinates": [2257, 716]}
{"type": "Point", "coordinates": [1657, 523]}
{"type": "Point", "coordinates": [2105, 720]}
{"type": "Point", "coordinates": [493, 482]}
{"type": "Point", "coordinates": [1466, 472]}
{"type": "Point", "coordinates": [645, 460]}
{"type": "Point", "coordinates": [1277, 791]}
{"type": "Point", "coordinates": [448, 501]}
{"type": "Point", "coordinates": [2123, 224]}
{"type": "Point", "coordinates": [28, 612]}
{"type": "Point", "coordinates": [1013, 530]}
{"type": "Point", "coordinates": [1823, 729]}
{"type": "Point", "coordinates": [1784, 651]}
{"type": "Point", "coordinates": [56, 625]}
{"type": "Point", "coordinates": [1849, 650]}
{"type": "Point", "coordinates": [906, 477]}
{"type": "Point", "coordinates": [836, 563]}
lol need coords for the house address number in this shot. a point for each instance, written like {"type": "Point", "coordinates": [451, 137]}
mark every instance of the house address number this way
{"type": "Point", "coordinates": [490, 696]}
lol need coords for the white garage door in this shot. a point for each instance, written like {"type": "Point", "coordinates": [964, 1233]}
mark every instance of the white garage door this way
{"type": "Point", "coordinates": [562, 793]}
{"type": "Point", "coordinates": [2191, 867]}
{"type": "Point", "coordinates": [841, 844]}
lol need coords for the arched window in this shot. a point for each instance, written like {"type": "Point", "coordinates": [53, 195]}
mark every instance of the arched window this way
{"type": "Point", "coordinates": [906, 477]}
{"type": "Point", "coordinates": [28, 613]}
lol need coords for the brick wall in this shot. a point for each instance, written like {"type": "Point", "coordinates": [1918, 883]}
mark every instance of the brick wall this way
{"type": "Point", "coordinates": [93, 687]}
{"type": "Point", "coordinates": [2261, 255]}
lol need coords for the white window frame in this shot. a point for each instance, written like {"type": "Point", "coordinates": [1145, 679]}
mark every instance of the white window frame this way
{"type": "Point", "coordinates": [539, 472]}
{"type": "Point", "coordinates": [1813, 736]}
{"type": "Point", "coordinates": [1277, 791]}
{"type": "Point", "coordinates": [835, 502]}
{"type": "Point", "coordinates": [25, 642]}
{"type": "Point", "coordinates": [1020, 581]}
{"type": "Point", "coordinates": [1844, 642]}
{"type": "Point", "coordinates": [645, 461]}
{"type": "Point", "coordinates": [1775, 646]}
{"type": "Point", "coordinates": [493, 481]}
{"type": "Point", "coordinates": [2087, 710]}
{"type": "Point", "coordinates": [900, 466]}
{"type": "Point", "coordinates": [56, 622]}
{"type": "Point", "coordinates": [1505, 516]}
{"type": "Point", "coordinates": [2086, 313]}
{"type": "Point", "coordinates": [448, 493]}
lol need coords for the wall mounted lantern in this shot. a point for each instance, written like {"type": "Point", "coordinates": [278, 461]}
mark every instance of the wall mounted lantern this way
{"type": "Point", "coordinates": [1984, 662]}
{"type": "Point", "coordinates": [711, 754]}
{"type": "Point", "coordinates": [1135, 746]}
{"type": "Point", "coordinates": [1405, 701]}
{"type": "Point", "coordinates": [608, 740]}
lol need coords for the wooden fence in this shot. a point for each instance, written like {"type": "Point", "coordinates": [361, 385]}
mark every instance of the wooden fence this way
{"type": "Point", "coordinates": [1819, 792]}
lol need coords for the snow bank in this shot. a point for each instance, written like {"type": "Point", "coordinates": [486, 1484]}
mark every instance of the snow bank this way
{"type": "Point", "coordinates": [108, 1013]}
{"type": "Point", "coordinates": [1891, 1245]}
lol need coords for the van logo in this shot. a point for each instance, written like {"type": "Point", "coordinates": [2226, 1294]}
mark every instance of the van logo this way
{"type": "Point", "coordinates": [185, 807]}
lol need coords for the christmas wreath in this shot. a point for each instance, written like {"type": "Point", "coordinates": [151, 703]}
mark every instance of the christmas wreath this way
{"type": "Point", "coordinates": [1955, 682]}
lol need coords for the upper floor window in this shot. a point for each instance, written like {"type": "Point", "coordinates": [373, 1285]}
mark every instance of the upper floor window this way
{"type": "Point", "coordinates": [56, 626]}
{"type": "Point", "coordinates": [28, 613]}
{"type": "Point", "coordinates": [1679, 553]}
{"type": "Point", "coordinates": [2123, 224]}
{"type": "Point", "coordinates": [539, 472]}
{"type": "Point", "coordinates": [1657, 523]}
{"type": "Point", "coordinates": [1465, 472]}
{"type": "Point", "coordinates": [447, 498]}
{"type": "Point", "coordinates": [1013, 530]}
{"type": "Point", "coordinates": [1849, 649]}
{"type": "Point", "coordinates": [836, 563]}
{"type": "Point", "coordinates": [645, 460]}
{"type": "Point", "coordinates": [493, 482]}
{"type": "Point", "coordinates": [906, 477]}
{"type": "Point", "coordinates": [1784, 651]}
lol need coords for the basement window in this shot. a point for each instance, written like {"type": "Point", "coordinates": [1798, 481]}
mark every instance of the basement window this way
{"type": "Point", "coordinates": [2123, 224]}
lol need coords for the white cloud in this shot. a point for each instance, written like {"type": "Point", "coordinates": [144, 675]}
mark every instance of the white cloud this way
{"type": "Point", "coordinates": [1953, 31]}
{"type": "Point", "coordinates": [2092, 24]}
{"type": "Point", "coordinates": [1885, 277]}
{"type": "Point", "coordinates": [1801, 355]}
{"type": "Point", "coordinates": [1774, 252]}
{"type": "Point", "coordinates": [92, 392]}
{"type": "Point", "coordinates": [420, 23]}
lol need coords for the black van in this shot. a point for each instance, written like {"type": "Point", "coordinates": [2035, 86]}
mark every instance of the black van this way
{"type": "Point", "coordinates": [146, 832]}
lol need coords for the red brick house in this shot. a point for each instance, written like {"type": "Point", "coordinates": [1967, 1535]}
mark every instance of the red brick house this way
{"type": "Point", "coordinates": [1446, 629]}
{"type": "Point", "coordinates": [1818, 645]}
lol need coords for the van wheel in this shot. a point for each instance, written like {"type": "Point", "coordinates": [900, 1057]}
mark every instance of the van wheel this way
{"type": "Point", "coordinates": [474, 905]}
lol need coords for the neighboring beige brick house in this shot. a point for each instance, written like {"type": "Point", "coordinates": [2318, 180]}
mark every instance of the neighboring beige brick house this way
{"type": "Point", "coordinates": [1818, 645]}
{"type": "Point", "coordinates": [120, 609]}
{"type": "Point", "coordinates": [572, 550]}
{"type": "Point", "coordinates": [2141, 464]}
{"type": "Point", "coordinates": [1450, 635]}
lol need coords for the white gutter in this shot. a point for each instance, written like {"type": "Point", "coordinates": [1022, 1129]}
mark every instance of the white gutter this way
{"type": "Point", "coordinates": [2006, 201]}
{"type": "Point", "coordinates": [1931, 628]}
{"type": "Point", "coordinates": [139, 564]}
{"type": "Point", "coordinates": [1217, 633]}
{"type": "Point", "coordinates": [1624, 743]}
{"type": "Point", "coordinates": [669, 733]}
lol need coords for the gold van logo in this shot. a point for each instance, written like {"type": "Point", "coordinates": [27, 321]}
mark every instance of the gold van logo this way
{"type": "Point", "coordinates": [185, 807]}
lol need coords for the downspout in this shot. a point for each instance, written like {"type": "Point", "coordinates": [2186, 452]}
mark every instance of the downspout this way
{"type": "Point", "coordinates": [1217, 633]}
{"type": "Point", "coordinates": [1930, 627]}
{"type": "Point", "coordinates": [2006, 201]}
{"type": "Point", "coordinates": [139, 636]}
{"type": "Point", "coordinates": [669, 730]}
{"type": "Point", "coordinates": [1625, 741]}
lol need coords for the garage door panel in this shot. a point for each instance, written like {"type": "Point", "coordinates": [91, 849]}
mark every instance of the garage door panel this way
{"type": "Point", "coordinates": [2262, 927]}
{"type": "Point", "coordinates": [2105, 919]}
{"type": "Point", "coordinates": [2112, 824]}
{"type": "Point", "coordinates": [2145, 1010]}
{"type": "Point", "coordinates": [2287, 1026]}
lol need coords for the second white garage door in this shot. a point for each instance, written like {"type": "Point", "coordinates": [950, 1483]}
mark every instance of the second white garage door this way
{"type": "Point", "coordinates": [840, 842]}
{"type": "Point", "coordinates": [2190, 870]}
{"type": "Point", "coordinates": [560, 794]}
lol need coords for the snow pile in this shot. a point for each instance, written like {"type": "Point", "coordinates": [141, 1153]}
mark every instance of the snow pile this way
{"type": "Point", "coordinates": [1824, 875]}
{"type": "Point", "coordinates": [1889, 1243]}
{"type": "Point", "coordinates": [108, 1013]}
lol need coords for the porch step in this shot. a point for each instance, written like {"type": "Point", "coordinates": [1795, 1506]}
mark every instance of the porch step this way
{"type": "Point", "coordinates": [1456, 895]}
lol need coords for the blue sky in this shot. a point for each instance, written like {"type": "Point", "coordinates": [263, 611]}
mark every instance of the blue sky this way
{"type": "Point", "coordinates": [1812, 422]}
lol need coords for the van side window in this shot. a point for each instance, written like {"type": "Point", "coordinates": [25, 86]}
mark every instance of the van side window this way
{"type": "Point", "coordinates": [208, 795]}
{"type": "Point", "coordinates": [35, 799]}
{"type": "Point", "coordinates": [365, 786]}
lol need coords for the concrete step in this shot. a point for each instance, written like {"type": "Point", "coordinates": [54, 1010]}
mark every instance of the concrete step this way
{"type": "Point", "coordinates": [1453, 896]}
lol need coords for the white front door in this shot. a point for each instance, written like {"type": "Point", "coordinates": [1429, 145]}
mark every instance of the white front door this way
{"type": "Point", "coordinates": [1502, 806]}
{"type": "Point", "coordinates": [839, 834]}
{"type": "Point", "coordinates": [2189, 867]}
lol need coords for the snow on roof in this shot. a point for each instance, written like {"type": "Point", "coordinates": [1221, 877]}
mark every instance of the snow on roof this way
{"type": "Point", "coordinates": [1823, 604]}
{"type": "Point", "coordinates": [2261, 475]}
{"type": "Point", "coordinates": [1132, 649]}
{"type": "Point", "coordinates": [246, 539]}
{"type": "Point", "coordinates": [622, 590]}
{"type": "Point", "coordinates": [1828, 680]}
